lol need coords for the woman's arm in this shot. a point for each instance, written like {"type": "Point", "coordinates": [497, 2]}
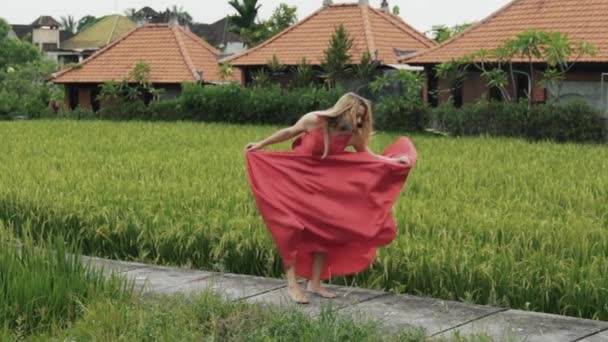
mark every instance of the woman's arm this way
{"type": "Point", "coordinates": [305, 123]}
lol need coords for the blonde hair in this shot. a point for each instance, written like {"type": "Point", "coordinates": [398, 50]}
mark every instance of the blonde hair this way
{"type": "Point", "coordinates": [346, 109]}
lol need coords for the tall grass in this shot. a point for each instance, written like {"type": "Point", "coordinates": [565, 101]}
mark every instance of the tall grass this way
{"type": "Point", "coordinates": [208, 317]}
{"type": "Point", "coordinates": [46, 286]}
{"type": "Point", "coordinates": [490, 221]}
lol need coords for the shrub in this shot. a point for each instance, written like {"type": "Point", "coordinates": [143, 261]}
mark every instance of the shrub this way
{"type": "Point", "coordinates": [573, 121]}
{"type": "Point", "coordinates": [396, 113]}
{"type": "Point", "coordinates": [79, 113]}
{"type": "Point", "coordinates": [263, 105]}
{"type": "Point", "coordinates": [167, 110]}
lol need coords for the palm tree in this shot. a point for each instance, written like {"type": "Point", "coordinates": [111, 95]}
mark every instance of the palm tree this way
{"type": "Point", "coordinates": [86, 22]}
{"type": "Point", "coordinates": [69, 24]}
{"type": "Point", "coordinates": [178, 12]}
{"type": "Point", "coordinates": [130, 13]}
{"type": "Point", "coordinates": [247, 13]}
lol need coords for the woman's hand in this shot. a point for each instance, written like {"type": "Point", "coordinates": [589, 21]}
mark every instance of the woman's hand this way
{"type": "Point", "coordinates": [403, 160]}
{"type": "Point", "coordinates": [253, 147]}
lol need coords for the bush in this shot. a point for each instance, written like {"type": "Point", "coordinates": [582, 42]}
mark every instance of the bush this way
{"type": "Point", "coordinates": [167, 110]}
{"type": "Point", "coordinates": [263, 105]}
{"type": "Point", "coordinates": [573, 121]}
{"type": "Point", "coordinates": [125, 110]}
{"type": "Point", "coordinates": [397, 113]}
{"type": "Point", "coordinates": [24, 91]}
{"type": "Point", "coordinates": [494, 118]}
{"type": "Point", "coordinates": [79, 113]}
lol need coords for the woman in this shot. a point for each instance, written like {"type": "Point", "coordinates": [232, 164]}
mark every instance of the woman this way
{"type": "Point", "coordinates": [328, 209]}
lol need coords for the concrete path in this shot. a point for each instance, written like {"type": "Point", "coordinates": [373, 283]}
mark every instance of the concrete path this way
{"type": "Point", "coordinates": [438, 317]}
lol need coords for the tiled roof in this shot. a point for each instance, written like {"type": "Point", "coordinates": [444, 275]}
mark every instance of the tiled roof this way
{"type": "Point", "coordinates": [370, 28]}
{"type": "Point", "coordinates": [100, 34]}
{"type": "Point", "coordinates": [579, 19]}
{"type": "Point", "coordinates": [26, 31]}
{"type": "Point", "coordinates": [45, 20]}
{"type": "Point", "coordinates": [173, 54]}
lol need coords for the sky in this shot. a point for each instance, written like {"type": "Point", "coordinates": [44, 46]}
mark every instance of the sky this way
{"type": "Point", "coordinates": [422, 14]}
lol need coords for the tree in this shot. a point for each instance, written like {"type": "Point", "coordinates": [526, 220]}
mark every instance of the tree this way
{"type": "Point", "coordinates": [553, 49]}
{"type": "Point", "coordinates": [336, 57]}
{"type": "Point", "coordinates": [367, 68]}
{"type": "Point", "coordinates": [562, 54]}
{"type": "Point", "coordinates": [247, 13]}
{"type": "Point", "coordinates": [396, 10]}
{"type": "Point", "coordinates": [182, 15]}
{"type": "Point", "coordinates": [86, 22]}
{"type": "Point", "coordinates": [304, 75]}
{"type": "Point", "coordinates": [441, 33]}
{"type": "Point", "coordinates": [69, 24]}
{"type": "Point", "coordinates": [131, 14]}
{"type": "Point", "coordinates": [226, 71]}
{"type": "Point", "coordinates": [283, 17]}
{"type": "Point", "coordinates": [15, 52]}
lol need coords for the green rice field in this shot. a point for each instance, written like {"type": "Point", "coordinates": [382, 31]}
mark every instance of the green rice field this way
{"type": "Point", "coordinates": [483, 220]}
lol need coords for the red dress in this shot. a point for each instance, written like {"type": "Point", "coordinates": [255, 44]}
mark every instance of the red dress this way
{"type": "Point", "coordinates": [340, 205]}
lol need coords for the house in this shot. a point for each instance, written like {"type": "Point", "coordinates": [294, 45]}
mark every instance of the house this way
{"type": "Point", "coordinates": [174, 55]}
{"type": "Point", "coordinates": [219, 35]}
{"type": "Point", "coordinates": [100, 34]}
{"type": "Point", "coordinates": [580, 20]}
{"type": "Point", "coordinates": [44, 33]}
{"type": "Point", "coordinates": [216, 34]}
{"type": "Point", "coordinates": [384, 35]}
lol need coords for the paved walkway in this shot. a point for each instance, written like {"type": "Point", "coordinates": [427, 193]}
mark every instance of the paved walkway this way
{"type": "Point", "coordinates": [438, 317]}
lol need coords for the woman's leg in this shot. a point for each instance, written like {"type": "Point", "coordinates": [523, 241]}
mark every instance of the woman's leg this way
{"type": "Point", "coordinates": [314, 285]}
{"type": "Point", "coordinates": [293, 288]}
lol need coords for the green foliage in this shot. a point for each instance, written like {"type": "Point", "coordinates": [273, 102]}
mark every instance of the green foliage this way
{"type": "Point", "coordinates": [282, 17]}
{"type": "Point", "coordinates": [15, 52]}
{"type": "Point", "coordinates": [46, 285]}
{"type": "Point", "coordinates": [336, 57]}
{"type": "Point", "coordinates": [265, 105]}
{"type": "Point", "coordinates": [572, 121]}
{"type": "Point", "coordinates": [258, 32]}
{"type": "Point", "coordinates": [400, 106]}
{"type": "Point", "coordinates": [126, 100]}
{"type": "Point", "coordinates": [304, 75]}
{"type": "Point", "coordinates": [367, 69]}
{"type": "Point", "coordinates": [86, 22]}
{"type": "Point", "coordinates": [5, 28]}
{"type": "Point", "coordinates": [557, 50]}
{"type": "Point", "coordinates": [24, 90]}
{"type": "Point", "coordinates": [275, 67]}
{"type": "Point", "coordinates": [261, 78]}
{"type": "Point", "coordinates": [247, 12]}
{"type": "Point", "coordinates": [226, 70]}
{"type": "Point", "coordinates": [397, 113]}
{"type": "Point", "coordinates": [69, 24]}
{"type": "Point", "coordinates": [483, 225]}
{"type": "Point", "coordinates": [405, 83]}
{"type": "Point", "coordinates": [441, 33]}
{"type": "Point", "coordinates": [209, 317]}
{"type": "Point", "coordinates": [491, 118]}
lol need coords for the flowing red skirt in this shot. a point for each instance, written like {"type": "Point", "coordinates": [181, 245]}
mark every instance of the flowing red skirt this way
{"type": "Point", "coordinates": [340, 205]}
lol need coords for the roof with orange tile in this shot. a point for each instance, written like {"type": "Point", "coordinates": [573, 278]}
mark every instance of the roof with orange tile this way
{"type": "Point", "coordinates": [174, 55]}
{"type": "Point", "coordinates": [370, 28]}
{"type": "Point", "coordinates": [579, 19]}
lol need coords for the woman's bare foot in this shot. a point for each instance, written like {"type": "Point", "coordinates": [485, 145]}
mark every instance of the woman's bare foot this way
{"type": "Point", "coordinates": [297, 295]}
{"type": "Point", "coordinates": [319, 290]}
